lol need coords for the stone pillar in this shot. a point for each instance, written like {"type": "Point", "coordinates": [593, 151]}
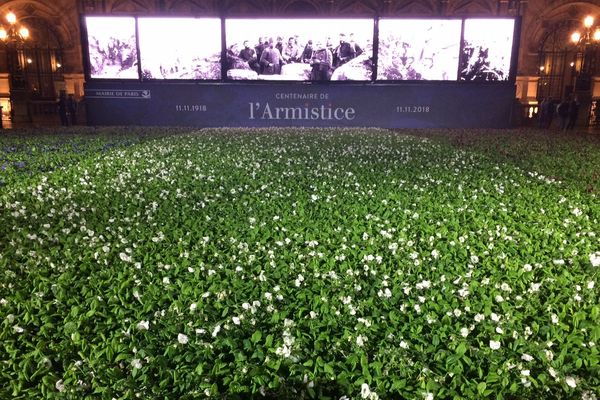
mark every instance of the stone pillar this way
{"type": "Point", "coordinates": [594, 114]}
{"type": "Point", "coordinates": [5, 95]}
{"type": "Point", "coordinates": [527, 99]}
{"type": "Point", "coordinates": [527, 89]}
{"type": "Point", "coordinates": [73, 84]}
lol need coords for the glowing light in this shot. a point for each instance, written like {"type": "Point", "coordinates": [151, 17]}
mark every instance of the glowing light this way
{"type": "Point", "coordinates": [575, 36]}
{"type": "Point", "coordinates": [11, 18]}
{"type": "Point", "coordinates": [29, 61]}
{"type": "Point", "coordinates": [24, 32]}
{"type": "Point", "coordinates": [588, 21]}
{"type": "Point", "coordinates": [597, 35]}
{"type": "Point", "coordinates": [3, 34]}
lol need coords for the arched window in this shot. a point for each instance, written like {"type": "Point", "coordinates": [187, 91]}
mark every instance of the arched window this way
{"type": "Point", "coordinates": [561, 65]}
{"type": "Point", "coordinates": [39, 60]}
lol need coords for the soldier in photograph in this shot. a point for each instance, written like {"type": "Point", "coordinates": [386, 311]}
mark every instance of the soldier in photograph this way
{"type": "Point", "coordinates": [343, 52]}
{"type": "Point", "coordinates": [321, 63]}
{"type": "Point", "coordinates": [271, 60]}
{"type": "Point", "coordinates": [291, 53]}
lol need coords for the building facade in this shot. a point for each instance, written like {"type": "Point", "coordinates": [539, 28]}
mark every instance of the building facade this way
{"type": "Point", "coordinates": [34, 71]}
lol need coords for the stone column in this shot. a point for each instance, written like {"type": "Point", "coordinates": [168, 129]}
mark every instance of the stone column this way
{"type": "Point", "coordinates": [527, 99]}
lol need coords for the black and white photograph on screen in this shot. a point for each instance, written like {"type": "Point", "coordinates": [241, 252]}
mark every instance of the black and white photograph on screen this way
{"type": "Point", "coordinates": [112, 47]}
{"type": "Point", "coordinates": [299, 49]}
{"type": "Point", "coordinates": [194, 54]}
{"type": "Point", "coordinates": [487, 50]}
{"type": "Point", "coordinates": [418, 49]}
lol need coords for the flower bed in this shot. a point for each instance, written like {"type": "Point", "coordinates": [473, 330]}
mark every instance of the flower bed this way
{"type": "Point", "coordinates": [297, 263]}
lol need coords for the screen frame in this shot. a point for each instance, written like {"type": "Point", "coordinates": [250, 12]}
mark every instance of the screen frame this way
{"type": "Point", "coordinates": [375, 43]}
{"type": "Point", "coordinates": [171, 17]}
{"type": "Point", "coordinates": [87, 66]}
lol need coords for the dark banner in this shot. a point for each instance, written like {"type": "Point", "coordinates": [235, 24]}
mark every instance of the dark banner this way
{"type": "Point", "coordinates": [418, 105]}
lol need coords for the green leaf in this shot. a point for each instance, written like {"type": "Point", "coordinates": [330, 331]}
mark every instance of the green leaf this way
{"type": "Point", "coordinates": [256, 336]}
{"type": "Point", "coordinates": [481, 386]}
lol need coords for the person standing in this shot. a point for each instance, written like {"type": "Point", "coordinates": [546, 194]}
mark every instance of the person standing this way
{"type": "Point", "coordinates": [271, 60]}
{"type": "Point", "coordinates": [72, 109]}
{"type": "Point", "coordinates": [62, 108]}
{"type": "Point", "coordinates": [563, 113]}
{"type": "Point", "coordinates": [573, 113]}
{"type": "Point", "coordinates": [321, 62]}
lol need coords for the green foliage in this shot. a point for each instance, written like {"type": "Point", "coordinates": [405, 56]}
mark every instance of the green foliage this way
{"type": "Point", "coordinates": [287, 263]}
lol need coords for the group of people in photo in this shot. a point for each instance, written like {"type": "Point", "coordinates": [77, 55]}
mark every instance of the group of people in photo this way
{"type": "Point", "coordinates": [268, 55]}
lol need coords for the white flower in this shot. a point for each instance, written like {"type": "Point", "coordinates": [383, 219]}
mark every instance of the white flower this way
{"type": "Point", "coordinates": [479, 317]}
{"type": "Point", "coordinates": [360, 340]}
{"type": "Point", "coordinates": [284, 351]}
{"type": "Point", "coordinates": [495, 317]}
{"type": "Point", "coordinates": [428, 396]}
{"type": "Point", "coordinates": [18, 329]}
{"type": "Point", "coordinates": [60, 386]}
{"type": "Point", "coordinates": [554, 319]}
{"type": "Point", "coordinates": [527, 267]}
{"type": "Point", "coordinates": [595, 259]}
{"type": "Point", "coordinates": [125, 257]}
{"type": "Point", "coordinates": [136, 363]}
{"type": "Point", "coordinates": [457, 312]}
{"type": "Point", "coordinates": [365, 392]}
{"type": "Point", "coordinates": [423, 285]}
{"type": "Point", "coordinates": [499, 299]}
{"type": "Point", "coordinates": [166, 280]}
{"type": "Point", "coordinates": [464, 332]}
{"type": "Point", "coordinates": [559, 262]}
{"type": "Point", "coordinates": [474, 259]}
{"type": "Point", "coordinates": [494, 345]}
{"type": "Point", "coordinates": [3, 302]}
{"type": "Point", "coordinates": [143, 325]}
{"type": "Point", "coordinates": [236, 320]}
{"type": "Point", "coordinates": [403, 344]}
{"type": "Point", "coordinates": [193, 306]}
{"type": "Point", "coordinates": [569, 380]}
{"type": "Point", "coordinates": [435, 254]}
{"type": "Point", "coordinates": [552, 372]}
{"type": "Point", "coordinates": [499, 330]}
{"type": "Point", "coordinates": [216, 330]}
{"type": "Point", "coordinates": [525, 372]}
{"type": "Point", "coordinates": [590, 284]}
{"type": "Point", "coordinates": [526, 357]}
{"type": "Point", "coordinates": [181, 338]}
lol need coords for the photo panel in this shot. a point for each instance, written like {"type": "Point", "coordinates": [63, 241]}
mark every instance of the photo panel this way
{"type": "Point", "coordinates": [418, 49]}
{"type": "Point", "coordinates": [299, 49]}
{"type": "Point", "coordinates": [180, 48]}
{"type": "Point", "coordinates": [112, 47]}
{"type": "Point", "coordinates": [487, 50]}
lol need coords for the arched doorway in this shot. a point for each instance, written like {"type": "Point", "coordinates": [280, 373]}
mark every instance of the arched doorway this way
{"type": "Point", "coordinates": [567, 70]}
{"type": "Point", "coordinates": [34, 69]}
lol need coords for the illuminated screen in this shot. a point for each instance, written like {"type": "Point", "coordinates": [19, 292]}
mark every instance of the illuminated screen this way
{"type": "Point", "coordinates": [112, 47]}
{"type": "Point", "coordinates": [180, 48]}
{"type": "Point", "coordinates": [299, 49]}
{"type": "Point", "coordinates": [418, 49]}
{"type": "Point", "coordinates": [487, 49]}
